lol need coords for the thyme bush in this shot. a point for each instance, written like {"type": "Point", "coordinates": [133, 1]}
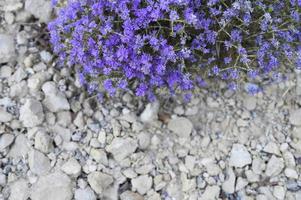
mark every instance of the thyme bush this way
{"type": "Point", "coordinates": [175, 45]}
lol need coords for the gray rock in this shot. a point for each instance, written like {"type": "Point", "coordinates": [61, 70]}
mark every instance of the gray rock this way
{"type": "Point", "coordinates": [36, 81]}
{"type": "Point", "coordinates": [279, 192]}
{"type": "Point", "coordinates": [150, 113]}
{"type": "Point", "coordinates": [99, 155]}
{"type": "Point", "coordinates": [20, 147]}
{"type": "Point", "coordinates": [211, 192]}
{"type": "Point", "coordinates": [142, 184]}
{"type": "Point", "coordinates": [180, 126]}
{"type": "Point", "coordinates": [38, 162]}
{"type": "Point", "coordinates": [43, 142]}
{"type": "Point", "coordinates": [295, 117]}
{"type": "Point", "coordinates": [7, 48]}
{"type": "Point", "coordinates": [239, 156]}
{"type": "Point", "coordinates": [72, 167]}
{"type": "Point", "coordinates": [54, 100]}
{"type": "Point", "coordinates": [274, 166]}
{"type": "Point", "coordinates": [31, 113]}
{"type": "Point", "coordinates": [5, 116]}
{"type": "Point", "coordinates": [56, 186]}
{"type": "Point", "coordinates": [291, 173]}
{"type": "Point", "coordinates": [5, 140]}
{"type": "Point", "coordinates": [229, 185]}
{"type": "Point", "coordinates": [2, 179]}
{"type": "Point", "coordinates": [272, 148]}
{"type": "Point", "coordinates": [129, 195]}
{"type": "Point", "coordinates": [122, 147]}
{"type": "Point", "coordinates": [144, 140]}
{"type": "Point", "coordinates": [41, 9]}
{"type": "Point", "coordinates": [84, 194]}
{"type": "Point", "coordinates": [19, 89]}
{"type": "Point", "coordinates": [99, 181]}
{"type": "Point", "coordinates": [19, 190]}
{"type": "Point", "coordinates": [240, 184]}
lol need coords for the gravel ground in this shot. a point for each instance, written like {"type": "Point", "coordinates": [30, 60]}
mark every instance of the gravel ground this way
{"type": "Point", "coordinates": [57, 143]}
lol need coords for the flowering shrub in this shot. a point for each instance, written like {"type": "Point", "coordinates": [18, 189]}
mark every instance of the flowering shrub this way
{"type": "Point", "coordinates": [148, 45]}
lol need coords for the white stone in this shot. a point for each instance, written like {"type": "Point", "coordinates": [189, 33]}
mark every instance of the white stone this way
{"type": "Point", "coordinates": [6, 140]}
{"type": "Point", "coordinates": [99, 181]}
{"type": "Point", "coordinates": [84, 194]}
{"type": "Point", "coordinates": [36, 81]}
{"type": "Point", "coordinates": [38, 162]}
{"type": "Point", "coordinates": [129, 195]}
{"type": "Point", "coordinates": [240, 184]}
{"type": "Point", "coordinates": [20, 147]}
{"type": "Point", "coordinates": [142, 184]}
{"type": "Point", "coordinates": [7, 48]}
{"type": "Point", "coordinates": [54, 100]}
{"type": "Point", "coordinates": [19, 190]}
{"type": "Point", "coordinates": [43, 142]}
{"type": "Point", "coordinates": [274, 166]}
{"type": "Point", "coordinates": [72, 167]}
{"type": "Point", "coordinates": [31, 113]}
{"type": "Point", "coordinates": [99, 155]}
{"type": "Point", "coordinates": [239, 156]}
{"type": "Point", "coordinates": [19, 89]}
{"type": "Point", "coordinates": [180, 126]}
{"type": "Point", "coordinates": [291, 173]}
{"type": "Point", "coordinates": [279, 192]}
{"type": "Point", "coordinates": [229, 185]}
{"type": "Point", "coordinates": [211, 193]}
{"type": "Point", "coordinates": [41, 9]}
{"type": "Point", "coordinates": [56, 186]}
{"type": "Point", "coordinates": [122, 147]}
{"type": "Point", "coordinates": [5, 116]}
{"type": "Point", "coordinates": [272, 148]}
{"type": "Point", "coordinates": [79, 120]}
{"type": "Point", "coordinates": [295, 117]}
{"type": "Point", "coordinates": [150, 113]}
{"type": "Point", "coordinates": [144, 140]}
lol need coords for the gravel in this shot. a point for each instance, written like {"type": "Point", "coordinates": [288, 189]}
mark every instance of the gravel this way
{"type": "Point", "coordinates": [57, 142]}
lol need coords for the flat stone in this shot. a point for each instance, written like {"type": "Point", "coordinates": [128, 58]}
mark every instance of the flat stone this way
{"type": "Point", "coordinates": [180, 126]}
{"type": "Point", "coordinates": [54, 100]}
{"type": "Point", "coordinates": [38, 162]}
{"type": "Point", "coordinates": [84, 194]}
{"type": "Point", "coordinates": [56, 186]}
{"type": "Point", "coordinates": [72, 167]}
{"type": "Point", "coordinates": [211, 192]}
{"type": "Point", "coordinates": [99, 181]}
{"type": "Point", "coordinates": [5, 116]}
{"type": "Point", "coordinates": [291, 173]}
{"type": "Point", "coordinates": [142, 184]}
{"type": "Point", "coordinates": [295, 117]}
{"type": "Point", "coordinates": [274, 166]}
{"type": "Point", "coordinates": [240, 184]}
{"type": "Point", "coordinates": [20, 147]}
{"type": "Point", "coordinates": [19, 190]}
{"type": "Point", "coordinates": [6, 140]}
{"type": "Point", "coordinates": [7, 48]}
{"type": "Point", "coordinates": [31, 113]}
{"type": "Point", "coordinates": [239, 156]}
{"type": "Point", "coordinates": [229, 185]}
{"type": "Point", "coordinates": [122, 147]}
{"type": "Point", "coordinates": [272, 148]}
{"type": "Point", "coordinates": [279, 192]}
{"type": "Point", "coordinates": [41, 9]}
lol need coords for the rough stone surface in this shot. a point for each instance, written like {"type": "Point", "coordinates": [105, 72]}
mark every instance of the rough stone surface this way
{"type": "Point", "coordinates": [239, 156]}
{"type": "Point", "coordinates": [84, 194]}
{"type": "Point", "coordinates": [295, 117]}
{"type": "Point", "coordinates": [6, 140]}
{"type": "Point", "coordinates": [99, 181]}
{"type": "Point", "coordinates": [38, 162]}
{"type": "Point", "coordinates": [19, 190]}
{"type": "Point", "coordinates": [142, 184]}
{"type": "Point", "coordinates": [181, 126]}
{"type": "Point", "coordinates": [72, 167]}
{"type": "Point", "coordinates": [41, 9]}
{"type": "Point", "coordinates": [56, 186]}
{"type": "Point", "coordinates": [31, 113]}
{"type": "Point", "coordinates": [43, 142]}
{"type": "Point", "coordinates": [7, 48]}
{"type": "Point", "coordinates": [5, 116]}
{"type": "Point", "coordinates": [121, 148]}
{"type": "Point", "coordinates": [54, 100]}
{"type": "Point", "coordinates": [274, 166]}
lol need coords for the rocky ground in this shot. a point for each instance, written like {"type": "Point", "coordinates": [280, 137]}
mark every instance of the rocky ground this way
{"type": "Point", "coordinates": [57, 143]}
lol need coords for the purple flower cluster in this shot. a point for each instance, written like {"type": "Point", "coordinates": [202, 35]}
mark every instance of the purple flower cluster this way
{"type": "Point", "coordinates": [149, 45]}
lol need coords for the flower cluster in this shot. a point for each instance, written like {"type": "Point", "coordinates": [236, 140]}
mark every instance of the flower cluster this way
{"type": "Point", "coordinates": [149, 45]}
